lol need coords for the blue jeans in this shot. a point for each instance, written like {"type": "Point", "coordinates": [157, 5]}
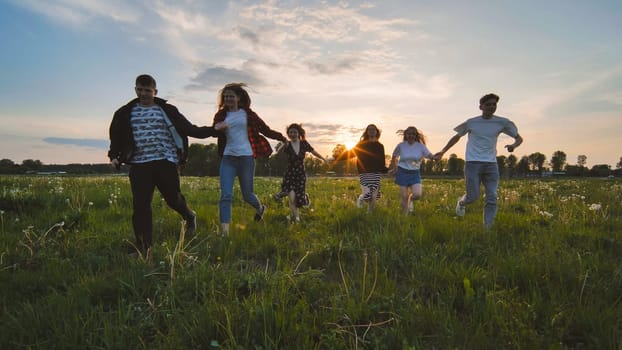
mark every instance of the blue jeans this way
{"type": "Point", "coordinates": [244, 168]}
{"type": "Point", "coordinates": [487, 174]}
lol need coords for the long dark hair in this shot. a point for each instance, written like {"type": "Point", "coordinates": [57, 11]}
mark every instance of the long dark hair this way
{"type": "Point", "coordinates": [301, 132]}
{"type": "Point", "coordinates": [238, 90]}
{"type": "Point", "coordinates": [365, 135]}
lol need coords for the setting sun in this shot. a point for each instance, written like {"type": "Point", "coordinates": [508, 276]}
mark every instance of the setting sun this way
{"type": "Point", "coordinates": [350, 144]}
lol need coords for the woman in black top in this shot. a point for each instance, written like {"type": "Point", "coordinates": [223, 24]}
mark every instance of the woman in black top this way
{"type": "Point", "coordinates": [371, 164]}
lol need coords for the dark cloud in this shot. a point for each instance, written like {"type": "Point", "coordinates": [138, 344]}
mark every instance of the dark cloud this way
{"type": "Point", "coordinates": [248, 35]}
{"type": "Point", "coordinates": [93, 143]}
{"type": "Point", "coordinates": [216, 77]}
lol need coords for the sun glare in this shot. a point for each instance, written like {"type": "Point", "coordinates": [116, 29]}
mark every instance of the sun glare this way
{"type": "Point", "coordinates": [350, 144]}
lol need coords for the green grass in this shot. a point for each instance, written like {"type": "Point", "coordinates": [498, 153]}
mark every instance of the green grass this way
{"type": "Point", "coordinates": [548, 275]}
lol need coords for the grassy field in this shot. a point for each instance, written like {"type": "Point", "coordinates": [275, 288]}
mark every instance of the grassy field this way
{"type": "Point", "coordinates": [547, 276]}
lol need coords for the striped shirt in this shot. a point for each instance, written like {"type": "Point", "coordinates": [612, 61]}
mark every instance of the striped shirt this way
{"type": "Point", "coordinates": [152, 137]}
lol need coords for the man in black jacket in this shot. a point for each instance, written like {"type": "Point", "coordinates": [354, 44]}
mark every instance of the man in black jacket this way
{"type": "Point", "coordinates": [152, 136]}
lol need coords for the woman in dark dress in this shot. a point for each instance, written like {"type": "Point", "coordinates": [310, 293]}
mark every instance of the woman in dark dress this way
{"type": "Point", "coordinates": [295, 180]}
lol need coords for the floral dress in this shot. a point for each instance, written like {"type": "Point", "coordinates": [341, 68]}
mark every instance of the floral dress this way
{"type": "Point", "coordinates": [295, 178]}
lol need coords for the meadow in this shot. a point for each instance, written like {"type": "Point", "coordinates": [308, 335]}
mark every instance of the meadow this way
{"type": "Point", "coordinates": [548, 275]}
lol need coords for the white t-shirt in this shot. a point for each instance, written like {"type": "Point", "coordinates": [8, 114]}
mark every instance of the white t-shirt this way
{"type": "Point", "coordinates": [483, 135]}
{"type": "Point", "coordinates": [411, 155]}
{"type": "Point", "coordinates": [237, 134]}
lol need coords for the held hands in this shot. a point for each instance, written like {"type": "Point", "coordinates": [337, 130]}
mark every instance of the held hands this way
{"type": "Point", "coordinates": [281, 145]}
{"type": "Point", "coordinates": [221, 126]}
{"type": "Point", "coordinates": [438, 156]}
{"type": "Point", "coordinates": [510, 148]}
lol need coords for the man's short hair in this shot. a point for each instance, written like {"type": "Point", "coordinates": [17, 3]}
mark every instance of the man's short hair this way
{"type": "Point", "coordinates": [488, 97]}
{"type": "Point", "coordinates": [145, 80]}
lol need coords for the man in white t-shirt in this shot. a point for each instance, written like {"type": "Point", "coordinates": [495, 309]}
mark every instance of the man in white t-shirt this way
{"type": "Point", "coordinates": [481, 155]}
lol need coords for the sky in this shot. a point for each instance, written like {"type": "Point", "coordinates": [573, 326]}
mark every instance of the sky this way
{"type": "Point", "coordinates": [334, 66]}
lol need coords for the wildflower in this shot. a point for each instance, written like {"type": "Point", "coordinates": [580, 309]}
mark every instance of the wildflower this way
{"type": "Point", "coordinates": [90, 204]}
{"type": "Point", "coordinates": [595, 206]}
{"type": "Point", "coordinates": [546, 214]}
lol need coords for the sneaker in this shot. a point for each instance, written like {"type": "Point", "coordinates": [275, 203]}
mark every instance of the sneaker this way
{"type": "Point", "coordinates": [306, 200]}
{"type": "Point", "coordinates": [191, 224]}
{"type": "Point", "coordinates": [411, 206]}
{"type": "Point", "coordinates": [460, 208]}
{"type": "Point", "coordinates": [359, 201]}
{"type": "Point", "coordinates": [260, 212]}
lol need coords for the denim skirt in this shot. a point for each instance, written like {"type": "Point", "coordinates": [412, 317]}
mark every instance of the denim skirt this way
{"type": "Point", "coordinates": [406, 178]}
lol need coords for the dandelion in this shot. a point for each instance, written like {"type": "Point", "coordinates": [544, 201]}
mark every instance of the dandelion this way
{"type": "Point", "coordinates": [595, 206]}
{"type": "Point", "coordinates": [546, 214]}
{"type": "Point", "coordinates": [90, 204]}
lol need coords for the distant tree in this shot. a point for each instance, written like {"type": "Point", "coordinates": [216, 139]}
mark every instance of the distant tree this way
{"type": "Point", "coordinates": [314, 166]}
{"type": "Point", "coordinates": [438, 166]}
{"type": "Point", "coordinates": [523, 166]}
{"type": "Point", "coordinates": [573, 170]}
{"type": "Point", "coordinates": [7, 166]}
{"type": "Point", "coordinates": [262, 167]}
{"type": "Point", "coordinates": [501, 165]}
{"type": "Point", "coordinates": [31, 165]}
{"type": "Point", "coordinates": [203, 160]}
{"type": "Point", "coordinates": [277, 164]}
{"type": "Point", "coordinates": [619, 165]}
{"type": "Point", "coordinates": [340, 159]}
{"type": "Point", "coordinates": [455, 165]}
{"type": "Point", "coordinates": [427, 167]}
{"type": "Point", "coordinates": [510, 163]}
{"type": "Point", "coordinates": [600, 170]}
{"type": "Point", "coordinates": [9, 163]}
{"type": "Point", "coordinates": [558, 160]}
{"type": "Point", "coordinates": [581, 160]}
{"type": "Point", "coordinates": [536, 161]}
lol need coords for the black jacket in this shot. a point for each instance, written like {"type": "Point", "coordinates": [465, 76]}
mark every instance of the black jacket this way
{"type": "Point", "coordinates": [122, 139]}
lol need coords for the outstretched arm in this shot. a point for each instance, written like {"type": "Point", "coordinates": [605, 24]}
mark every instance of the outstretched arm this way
{"type": "Point", "coordinates": [315, 153]}
{"type": "Point", "coordinates": [517, 142]}
{"type": "Point", "coordinates": [452, 141]}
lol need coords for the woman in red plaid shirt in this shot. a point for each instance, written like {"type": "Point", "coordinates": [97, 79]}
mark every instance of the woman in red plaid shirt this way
{"type": "Point", "coordinates": [240, 141]}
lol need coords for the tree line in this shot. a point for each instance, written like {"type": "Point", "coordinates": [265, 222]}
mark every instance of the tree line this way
{"type": "Point", "coordinates": [203, 160]}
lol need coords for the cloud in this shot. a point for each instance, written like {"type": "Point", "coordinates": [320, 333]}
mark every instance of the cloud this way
{"type": "Point", "coordinates": [343, 65]}
{"type": "Point", "coordinates": [79, 12]}
{"type": "Point", "coordinates": [216, 77]}
{"type": "Point", "coordinates": [329, 135]}
{"type": "Point", "coordinates": [91, 143]}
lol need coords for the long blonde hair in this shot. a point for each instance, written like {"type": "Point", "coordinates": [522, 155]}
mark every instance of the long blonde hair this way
{"type": "Point", "coordinates": [419, 137]}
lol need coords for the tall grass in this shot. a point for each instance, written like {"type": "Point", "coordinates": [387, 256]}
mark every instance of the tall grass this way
{"type": "Point", "coordinates": [547, 275]}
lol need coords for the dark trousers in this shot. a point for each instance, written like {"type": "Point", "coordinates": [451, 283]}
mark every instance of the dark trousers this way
{"type": "Point", "coordinates": [144, 178]}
